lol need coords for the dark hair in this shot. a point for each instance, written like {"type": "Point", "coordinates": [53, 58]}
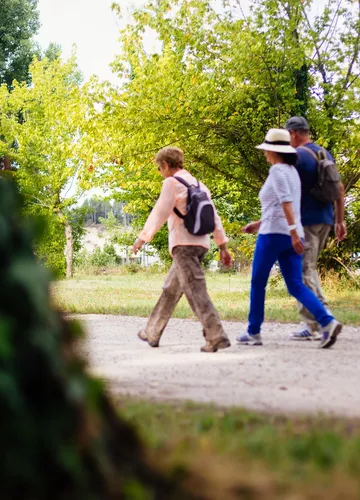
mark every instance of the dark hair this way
{"type": "Point", "coordinates": [288, 158]}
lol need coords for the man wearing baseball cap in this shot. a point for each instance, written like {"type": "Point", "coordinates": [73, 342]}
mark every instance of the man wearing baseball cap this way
{"type": "Point", "coordinates": [317, 218]}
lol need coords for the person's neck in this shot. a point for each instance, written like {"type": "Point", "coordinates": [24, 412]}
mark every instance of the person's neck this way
{"type": "Point", "coordinates": [275, 159]}
{"type": "Point", "coordinates": [174, 171]}
{"type": "Point", "coordinates": [303, 141]}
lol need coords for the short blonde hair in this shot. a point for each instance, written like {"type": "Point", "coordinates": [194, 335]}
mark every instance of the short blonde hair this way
{"type": "Point", "coordinates": [172, 155]}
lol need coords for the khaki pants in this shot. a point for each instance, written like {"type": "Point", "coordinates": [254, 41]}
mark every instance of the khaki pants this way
{"type": "Point", "coordinates": [315, 239]}
{"type": "Point", "coordinates": [186, 276]}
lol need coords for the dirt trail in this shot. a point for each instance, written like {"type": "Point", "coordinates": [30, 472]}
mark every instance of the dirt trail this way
{"type": "Point", "coordinates": [283, 376]}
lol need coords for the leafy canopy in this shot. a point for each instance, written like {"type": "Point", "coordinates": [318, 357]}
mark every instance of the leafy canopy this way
{"type": "Point", "coordinates": [218, 81]}
{"type": "Point", "coordinates": [45, 132]}
{"type": "Point", "coordinates": [19, 22]}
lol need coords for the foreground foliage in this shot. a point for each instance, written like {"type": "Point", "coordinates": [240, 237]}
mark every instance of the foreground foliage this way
{"type": "Point", "coordinates": [59, 431]}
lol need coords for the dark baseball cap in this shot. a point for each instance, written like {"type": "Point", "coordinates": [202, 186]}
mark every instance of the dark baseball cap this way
{"type": "Point", "coordinates": [297, 123]}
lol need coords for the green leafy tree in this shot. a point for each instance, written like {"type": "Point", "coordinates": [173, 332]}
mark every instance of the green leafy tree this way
{"type": "Point", "coordinates": [119, 235]}
{"type": "Point", "coordinates": [49, 246]}
{"type": "Point", "coordinates": [49, 145]}
{"type": "Point", "coordinates": [218, 81]}
{"type": "Point", "coordinates": [19, 22]}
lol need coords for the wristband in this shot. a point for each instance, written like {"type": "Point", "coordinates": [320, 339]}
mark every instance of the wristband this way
{"type": "Point", "coordinates": [292, 227]}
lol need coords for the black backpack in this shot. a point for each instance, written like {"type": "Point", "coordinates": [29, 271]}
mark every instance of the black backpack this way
{"type": "Point", "coordinates": [200, 214]}
{"type": "Point", "coordinates": [327, 187]}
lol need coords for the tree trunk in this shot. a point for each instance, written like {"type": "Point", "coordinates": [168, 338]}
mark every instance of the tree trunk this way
{"type": "Point", "coordinates": [5, 163]}
{"type": "Point", "coordinates": [69, 250]}
{"type": "Point", "coordinates": [301, 77]}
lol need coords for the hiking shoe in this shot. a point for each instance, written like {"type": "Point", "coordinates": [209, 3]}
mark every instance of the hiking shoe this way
{"type": "Point", "coordinates": [305, 334]}
{"type": "Point", "coordinates": [221, 343]}
{"type": "Point", "coordinates": [330, 333]}
{"type": "Point", "coordinates": [248, 339]}
{"type": "Point", "coordinates": [143, 336]}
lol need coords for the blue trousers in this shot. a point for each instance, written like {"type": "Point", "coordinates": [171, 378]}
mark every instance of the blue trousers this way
{"type": "Point", "coordinates": [269, 249]}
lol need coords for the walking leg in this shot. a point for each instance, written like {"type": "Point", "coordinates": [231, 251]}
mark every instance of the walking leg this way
{"type": "Point", "coordinates": [163, 309]}
{"type": "Point", "coordinates": [192, 281]}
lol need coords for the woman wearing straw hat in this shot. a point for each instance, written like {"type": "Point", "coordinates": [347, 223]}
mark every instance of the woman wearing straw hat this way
{"type": "Point", "coordinates": [281, 239]}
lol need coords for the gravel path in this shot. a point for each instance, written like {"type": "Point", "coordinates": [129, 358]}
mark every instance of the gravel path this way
{"type": "Point", "coordinates": [283, 376]}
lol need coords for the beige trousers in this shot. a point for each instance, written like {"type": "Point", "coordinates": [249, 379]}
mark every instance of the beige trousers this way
{"type": "Point", "coordinates": [315, 239]}
{"type": "Point", "coordinates": [186, 276]}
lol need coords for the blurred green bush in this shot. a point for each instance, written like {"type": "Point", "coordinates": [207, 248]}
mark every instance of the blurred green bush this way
{"type": "Point", "coordinates": [60, 436]}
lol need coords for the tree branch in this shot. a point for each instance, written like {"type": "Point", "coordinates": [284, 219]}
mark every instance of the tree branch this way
{"type": "Point", "coordinates": [272, 82]}
{"type": "Point", "coordinates": [317, 49]}
{"type": "Point", "coordinates": [354, 58]}
{"type": "Point", "coordinates": [349, 272]}
{"type": "Point", "coordinates": [335, 19]}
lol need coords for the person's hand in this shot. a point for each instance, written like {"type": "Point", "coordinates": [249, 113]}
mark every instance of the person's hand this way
{"type": "Point", "coordinates": [340, 231]}
{"type": "Point", "coordinates": [137, 245]}
{"type": "Point", "coordinates": [252, 227]}
{"type": "Point", "coordinates": [225, 257]}
{"type": "Point", "coordinates": [297, 242]}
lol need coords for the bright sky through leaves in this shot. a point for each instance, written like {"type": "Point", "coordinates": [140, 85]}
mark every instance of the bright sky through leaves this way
{"type": "Point", "coordinates": [94, 29]}
{"type": "Point", "coordinates": [90, 25]}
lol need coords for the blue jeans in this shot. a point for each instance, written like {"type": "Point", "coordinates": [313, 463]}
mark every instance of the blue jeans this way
{"type": "Point", "coordinates": [269, 249]}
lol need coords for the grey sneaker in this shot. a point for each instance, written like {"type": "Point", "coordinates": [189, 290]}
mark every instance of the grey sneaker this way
{"type": "Point", "coordinates": [143, 336]}
{"type": "Point", "coordinates": [330, 333]}
{"type": "Point", "coordinates": [248, 339]}
{"type": "Point", "coordinates": [305, 334]}
{"type": "Point", "coordinates": [221, 343]}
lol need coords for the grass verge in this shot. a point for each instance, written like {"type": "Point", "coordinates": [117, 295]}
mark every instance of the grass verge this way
{"type": "Point", "coordinates": [136, 295]}
{"type": "Point", "coordinates": [232, 453]}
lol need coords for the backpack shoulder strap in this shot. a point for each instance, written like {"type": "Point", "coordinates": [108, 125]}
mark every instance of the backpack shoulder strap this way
{"type": "Point", "coordinates": [323, 154]}
{"type": "Point", "coordinates": [178, 213]}
{"type": "Point", "coordinates": [185, 183]}
{"type": "Point", "coordinates": [313, 154]}
{"type": "Point", "coordinates": [182, 181]}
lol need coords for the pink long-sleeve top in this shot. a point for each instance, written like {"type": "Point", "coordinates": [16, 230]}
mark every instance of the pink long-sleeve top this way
{"type": "Point", "coordinates": [174, 194]}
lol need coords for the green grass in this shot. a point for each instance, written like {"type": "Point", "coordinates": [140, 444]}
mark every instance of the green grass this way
{"type": "Point", "coordinates": [269, 456]}
{"type": "Point", "coordinates": [136, 295]}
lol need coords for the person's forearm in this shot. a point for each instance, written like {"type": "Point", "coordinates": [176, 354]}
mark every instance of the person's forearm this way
{"type": "Point", "coordinates": [339, 206]}
{"type": "Point", "coordinates": [296, 241]}
{"type": "Point", "coordinates": [219, 235]}
{"type": "Point", "coordinates": [289, 212]}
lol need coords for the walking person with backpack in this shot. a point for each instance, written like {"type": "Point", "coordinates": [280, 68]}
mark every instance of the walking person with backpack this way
{"type": "Point", "coordinates": [186, 205]}
{"type": "Point", "coordinates": [281, 239]}
{"type": "Point", "coordinates": [321, 189]}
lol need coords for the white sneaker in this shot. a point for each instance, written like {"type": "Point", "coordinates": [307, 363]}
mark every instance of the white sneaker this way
{"type": "Point", "coordinates": [305, 334]}
{"type": "Point", "coordinates": [248, 339]}
{"type": "Point", "coordinates": [330, 333]}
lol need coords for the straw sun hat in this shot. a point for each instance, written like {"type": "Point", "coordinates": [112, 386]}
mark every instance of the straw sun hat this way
{"type": "Point", "coordinates": [278, 140]}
